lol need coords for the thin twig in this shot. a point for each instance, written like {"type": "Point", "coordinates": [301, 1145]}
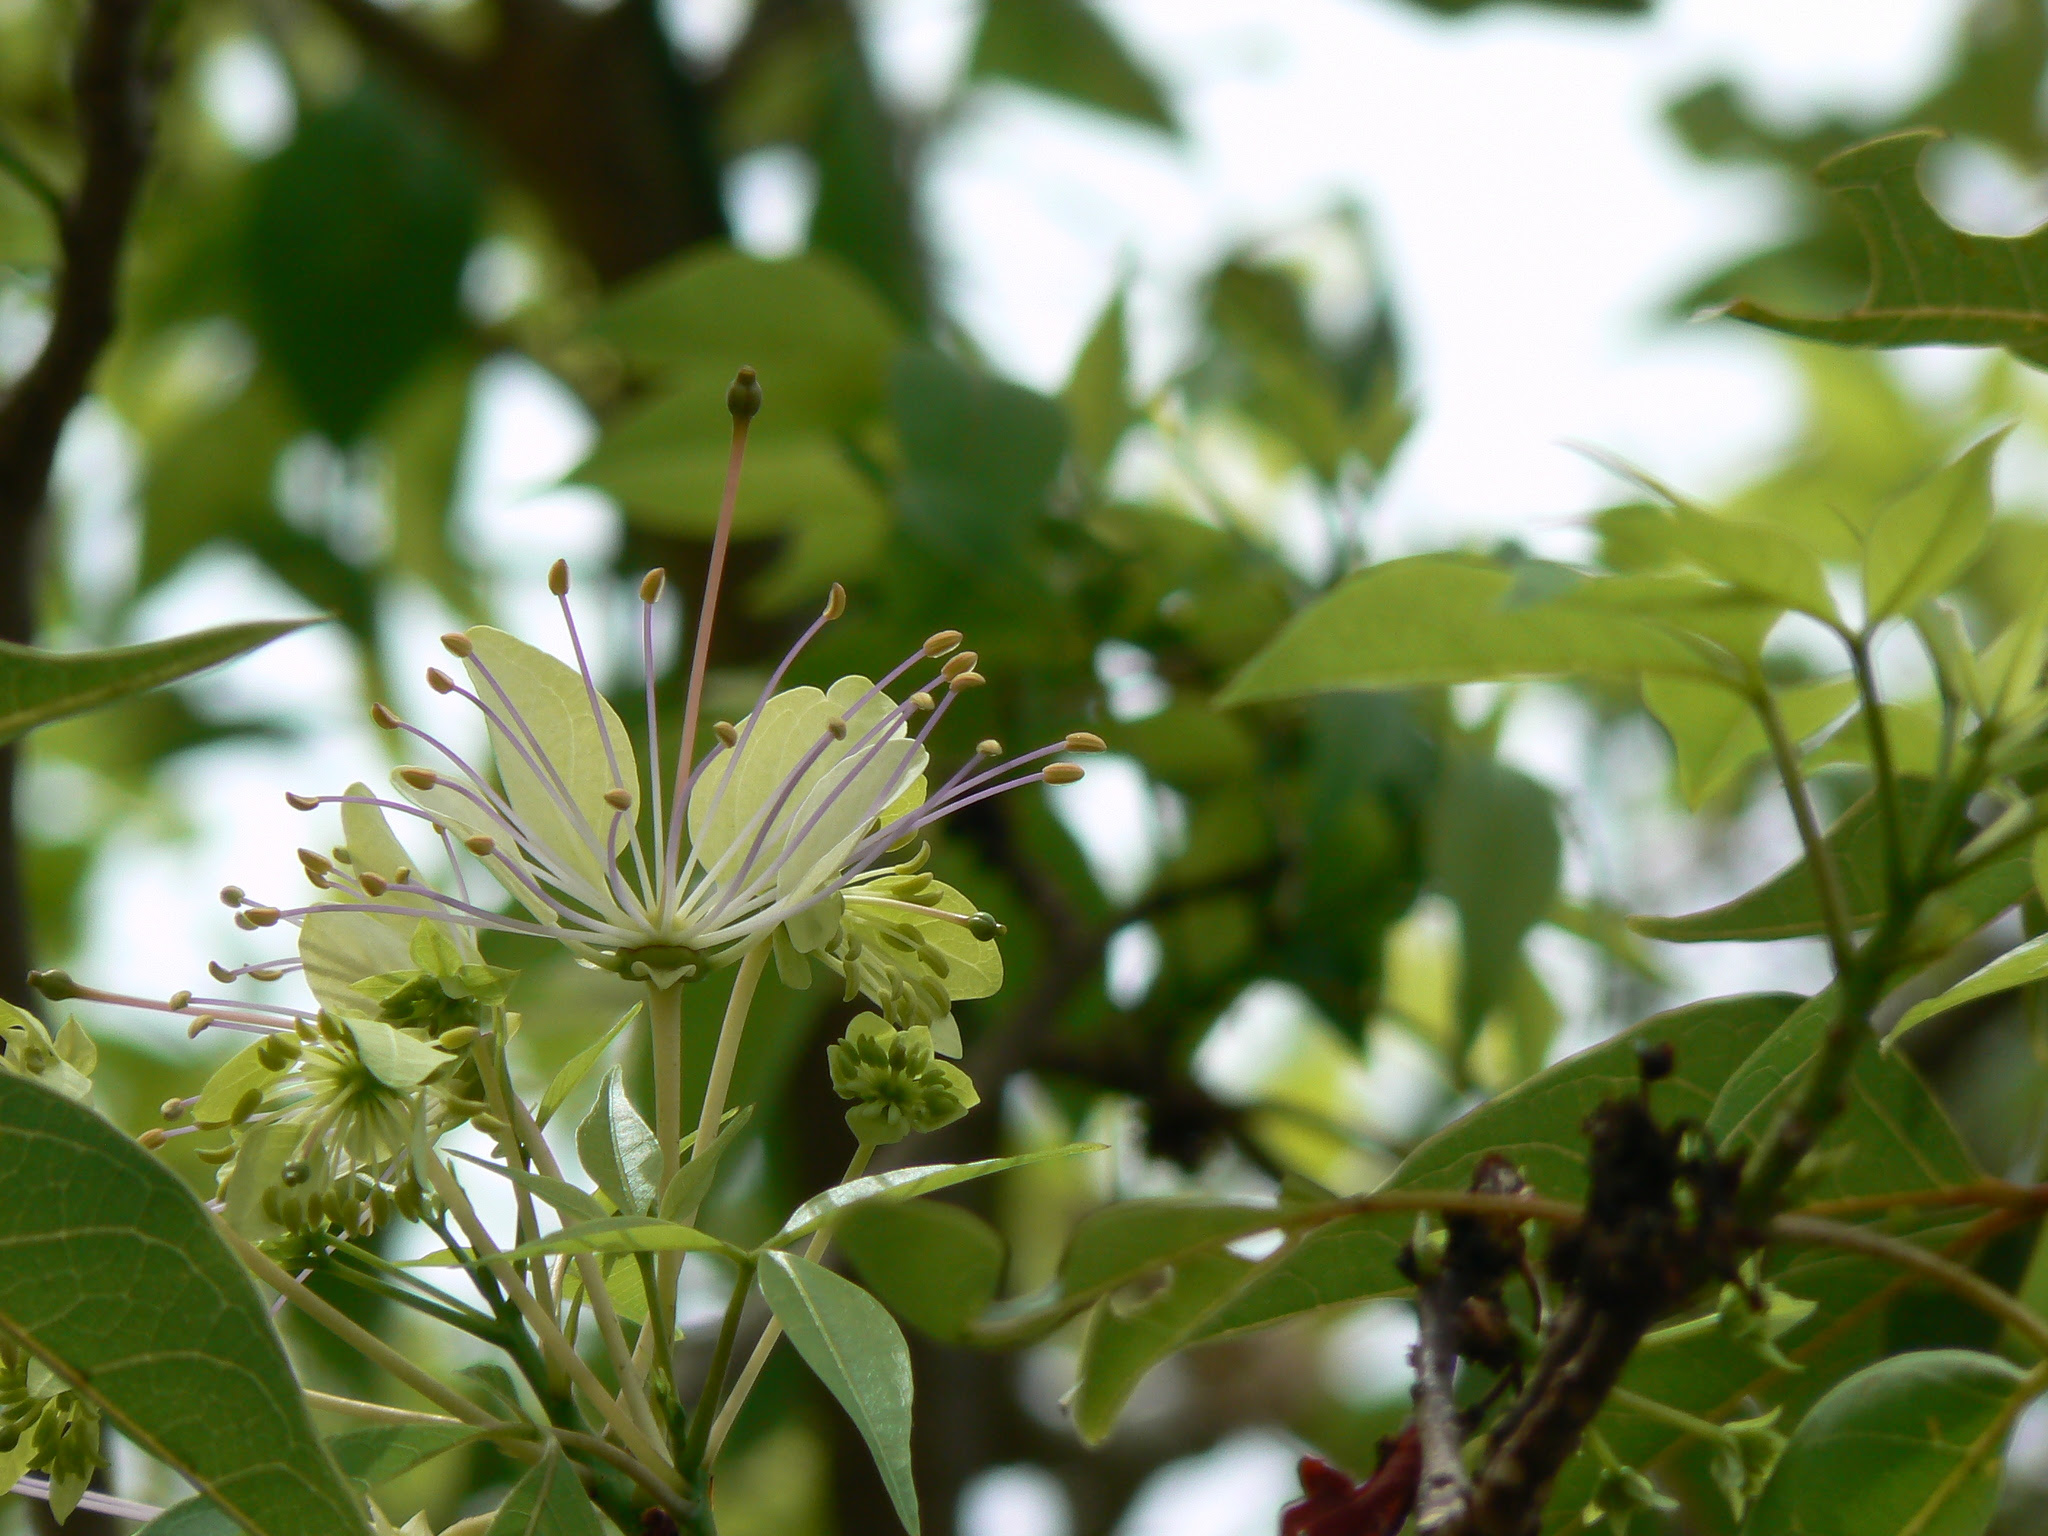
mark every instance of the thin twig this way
{"type": "Point", "coordinates": [1445, 1490]}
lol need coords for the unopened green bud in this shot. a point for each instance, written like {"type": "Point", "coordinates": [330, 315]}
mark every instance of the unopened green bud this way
{"type": "Point", "coordinates": [896, 1082]}
{"type": "Point", "coordinates": [1746, 1457]}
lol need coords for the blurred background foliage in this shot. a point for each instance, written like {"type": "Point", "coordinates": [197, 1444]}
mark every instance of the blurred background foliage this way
{"type": "Point", "coordinates": [1328, 939]}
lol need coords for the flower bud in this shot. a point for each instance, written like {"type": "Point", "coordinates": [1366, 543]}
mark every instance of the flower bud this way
{"type": "Point", "coordinates": [57, 986]}
{"type": "Point", "coordinates": [1748, 1454]}
{"type": "Point", "coordinates": [984, 927]}
{"type": "Point", "coordinates": [896, 1082]}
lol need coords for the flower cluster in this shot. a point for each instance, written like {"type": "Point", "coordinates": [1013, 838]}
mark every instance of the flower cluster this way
{"type": "Point", "coordinates": [46, 1427]}
{"type": "Point", "coordinates": [897, 1084]}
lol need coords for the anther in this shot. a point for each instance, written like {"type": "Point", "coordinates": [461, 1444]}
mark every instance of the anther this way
{"type": "Point", "coordinates": [964, 662]}
{"type": "Point", "coordinates": [383, 716]}
{"type": "Point", "coordinates": [619, 799]}
{"type": "Point", "coordinates": [419, 778]}
{"type": "Point", "coordinates": [199, 1026]}
{"type": "Point", "coordinates": [836, 726]}
{"type": "Point", "coordinates": [726, 732]}
{"type": "Point", "coordinates": [373, 884]}
{"type": "Point", "coordinates": [1062, 773]}
{"type": "Point", "coordinates": [440, 681]}
{"type": "Point", "coordinates": [152, 1138]}
{"type": "Point", "coordinates": [1085, 741]}
{"type": "Point", "coordinates": [923, 702]}
{"type": "Point", "coordinates": [57, 986]}
{"type": "Point", "coordinates": [457, 644]}
{"type": "Point", "coordinates": [455, 1039]}
{"type": "Point", "coordinates": [341, 854]}
{"type": "Point", "coordinates": [244, 922]}
{"type": "Point", "coordinates": [743, 399]}
{"type": "Point", "coordinates": [172, 1109]}
{"type": "Point", "coordinates": [945, 640]}
{"type": "Point", "coordinates": [180, 1001]}
{"type": "Point", "coordinates": [558, 578]}
{"type": "Point", "coordinates": [318, 863]}
{"type": "Point", "coordinates": [965, 681]}
{"type": "Point", "coordinates": [651, 585]}
{"type": "Point", "coordinates": [835, 605]}
{"type": "Point", "coordinates": [989, 748]}
{"type": "Point", "coordinates": [267, 972]}
{"type": "Point", "coordinates": [246, 1106]}
{"type": "Point", "coordinates": [218, 971]}
{"type": "Point", "coordinates": [232, 896]}
{"type": "Point", "coordinates": [215, 1156]}
{"type": "Point", "coordinates": [479, 845]}
{"type": "Point", "coordinates": [263, 917]}
{"type": "Point", "coordinates": [300, 802]}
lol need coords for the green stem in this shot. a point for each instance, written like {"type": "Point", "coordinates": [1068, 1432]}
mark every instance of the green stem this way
{"type": "Point", "coordinates": [730, 1029]}
{"type": "Point", "coordinates": [1819, 857]}
{"type": "Point", "coordinates": [714, 1379]}
{"type": "Point", "coordinates": [1673, 1418]}
{"type": "Point", "coordinates": [1681, 1333]}
{"type": "Point", "coordinates": [1887, 786]}
{"type": "Point", "coordinates": [821, 1240]}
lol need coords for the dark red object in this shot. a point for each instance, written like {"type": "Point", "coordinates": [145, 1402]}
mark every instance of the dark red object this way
{"type": "Point", "coordinates": [1332, 1505]}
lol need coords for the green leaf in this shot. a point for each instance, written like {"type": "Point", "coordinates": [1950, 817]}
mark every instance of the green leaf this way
{"type": "Point", "coordinates": [818, 335]}
{"type": "Point", "coordinates": [570, 1202]}
{"type": "Point", "coordinates": [376, 1455]}
{"type": "Point", "coordinates": [1910, 1443]}
{"type": "Point", "coordinates": [1064, 48]}
{"type": "Point", "coordinates": [395, 1059]}
{"type": "Point", "coordinates": [2017, 967]}
{"type": "Point", "coordinates": [1762, 561]}
{"type": "Point", "coordinates": [577, 1067]}
{"type": "Point", "coordinates": [1786, 906]}
{"type": "Point", "coordinates": [1930, 284]}
{"type": "Point", "coordinates": [1494, 850]}
{"type": "Point", "coordinates": [686, 1191]}
{"type": "Point", "coordinates": [37, 687]}
{"type": "Point", "coordinates": [1097, 396]}
{"type": "Point", "coordinates": [116, 1281]}
{"type": "Point", "coordinates": [618, 1151]}
{"type": "Point", "coordinates": [1448, 619]}
{"type": "Point", "coordinates": [193, 1517]}
{"type": "Point", "coordinates": [850, 1341]}
{"type": "Point", "coordinates": [1128, 1336]}
{"type": "Point", "coordinates": [547, 1501]}
{"type": "Point", "coordinates": [606, 1235]}
{"type": "Point", "coordinates": [1925, 540]}
{"type": "Point", "coordinates": [906, 1184]}
{"type": "Point", "coordinates": [1716, 735]}
{"type": "Point", "coordinates": [936, 1265]}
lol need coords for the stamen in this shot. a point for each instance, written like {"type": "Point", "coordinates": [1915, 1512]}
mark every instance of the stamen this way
{"type": "Point", "coordinates": [458, 645]}
{"type": "Point", "coordinates": [1085, 741]}
{"type": "Point", "coordinates": [650, 593]}
{"type": "Point", "coordinates": [938, 645]}
{"type": "Point", "coordinates": [1063, 773]}
{"type": "Point", "coordinates": [964, 662]}
{"type": "Point", "coordinates": [965, 680]}
{"type": "Point", "coordinates": [558, 578]}
{"type": "Point", "coordinates": [835, 604]}
{"type": "Point", "coordinates": [231, 896]}
{"type": "Point", "coordinates": [440, 681]}
{"type": "Point", "coordinates": [300, 802]}
{"type": "Point", "coordinates": [725, 732]}
{"type": "Point", "coordinates": [989, 748]}
{"type": "Point", "coordinates": [384, 718]}
{"type": "Point", "coordinates": [479, 845]}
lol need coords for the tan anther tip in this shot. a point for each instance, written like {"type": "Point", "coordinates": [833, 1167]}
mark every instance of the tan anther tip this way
{"type": "Point", "coordinates": [619, 799]}
{"type": "Point", "coordinates": [382, 714]}
{"type": "Point", "coordinates": [1085, 741]}
{"type": "Point", "coordinates": [440, 681]}
{"type": "Point", "coordinates": [313, 860]}
{"type": "Point", "coordinates": [457, 644]}
{"type": "Point", "coordinates": [837, 727]}
{"type": "Point", "coordinates": [300, 802]}
{"type": "Point", "coordinates": [419, 778]}
{"type": "Point", "coordinates": [199, 1026]}
{"type": "Point", "coordinates": [954, 666]}
{"type": "Point", "coordinates": [152, 1138]}
{"type": "Point", "coordinates": [988, 748]}
{"type": "Point", "coordinates": [944, 641]}
{"type": "Point", "coordinates": [558, 578]}
{"type": "Point", "coordinates": [651, 585]}
{"type": "Point", "coordinates": [179, 999]}
{"type": "Point", "coordinates": [479, 845]}
{"type": "Point", "coordinates": [1062, 773]}
{"type": "Point", "coordinates": [922, 701]}
{"type": "Point", "coordinates": [218, 971]}
{"type": "Point", "coordinates": [743, 398]}
{"type": "Point", "coordinates": [373, 884]}
{"type": "Point", "coordinates": [172, 1109]}
{"type": "Point", "coordinates": [725, 731]}
{"type": "Point", "coordinates": [835, 603]}
{"type": "Point", "coordinates": [232, 896]}
{"type": "Point", "coordinates": [964, 681]}
{"type": "Point", "coordinates": [263, 917]}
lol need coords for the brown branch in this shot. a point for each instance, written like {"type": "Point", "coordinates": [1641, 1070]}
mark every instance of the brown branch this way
{"type": "Point", "coordinates": [1445, 1490]}
{"type": "Point", "coordinates": [114, 83]}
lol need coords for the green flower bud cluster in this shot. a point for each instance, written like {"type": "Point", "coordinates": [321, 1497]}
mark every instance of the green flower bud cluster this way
{"type": "Point", "coordinates": [1621, 1493]}
{"type": "Point", "coordinates": [65, 1063]}
{"type": "Point", "coordinates": [896, 1082]}
{"type": "Point", "coordinates": [1758, 1330]}
{"type": "Point", "coordinates": [442, 990]}
{"type": "Point", "coordinates": [1747, 1454]}
{"type": "Point", "coordinates": [46, 1427]}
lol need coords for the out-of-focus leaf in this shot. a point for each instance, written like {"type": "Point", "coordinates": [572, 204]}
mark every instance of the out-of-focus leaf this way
{"type": "Point", "coordinates": [1923, 541]}
{"type": "Point", "coordinates": [606, 1235]}
{"type": "Point", "coordinates": [354, 253]}
{"type": "Point", "coordinates": [979, 455]}
{"type": "Point", "coordinates": [618, 1150]}
{"type": "Point", "coordinates": [116, 1280]}
{"type": "Point", "coordinates": [1716, 734]}
{"type": "Point", "coordinates": [577, 1067]}
{"type": "Point", "coordinates": [1097, 396]}
{"type": "Point", "coordinates": [378, 1454]}
{"type": "Point", "coordinates": [547, 1501]}
{"type": "Point", "coordinates": [193, 1517]}
{"type": "Point", "coordinates": [1908, 1444]}
{"type": "Point", "coordinates": [1064, 48]}
{"type": "Point", "coordinates": [936, 1265]}
{"type": "Point", "coordinates": [1127, 1337]}
{"type": "Point", "coordinates": [848, 1338]}
{"type": "Point", "coordinates": [2017, 967]}
{"type": "Point", "coordinates": [1494, 850]}
{"type": "Point", "coordinates": [1930, 284]}
{"type": "Point", "coordinates": [1438, 619]}
{"type": "Point", "coordinates": [40, 686]}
